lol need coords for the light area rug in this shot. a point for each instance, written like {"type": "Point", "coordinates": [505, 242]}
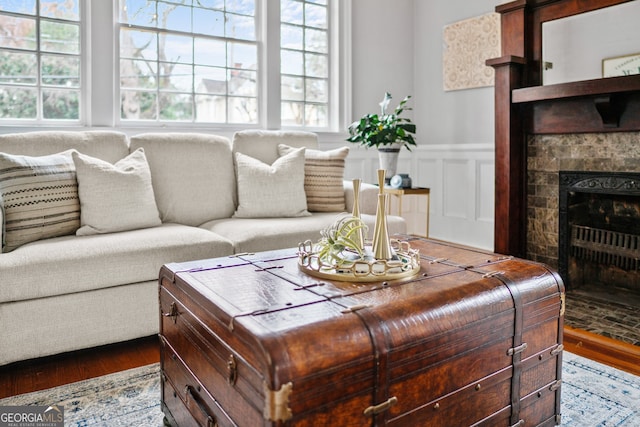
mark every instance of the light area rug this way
{"type": "Point", "coordinates": [592, 395]}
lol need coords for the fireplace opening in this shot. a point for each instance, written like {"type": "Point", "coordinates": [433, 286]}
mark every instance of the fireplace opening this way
{"type": "Point", "coordinates": [599, 232]}
{"type": "Point", "coordinates": [599, 251]}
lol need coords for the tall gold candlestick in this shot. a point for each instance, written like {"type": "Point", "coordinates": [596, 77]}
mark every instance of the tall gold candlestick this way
{"type": "Point", "coordinates": [382, 245]}
{"type": "Point", "coordinates": [359, 238]}
{"type": "Point", "coordinates": [379, 213]}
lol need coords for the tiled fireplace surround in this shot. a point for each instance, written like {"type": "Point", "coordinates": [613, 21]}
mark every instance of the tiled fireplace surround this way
{"type": "Point", "coordinates": [549, 154]}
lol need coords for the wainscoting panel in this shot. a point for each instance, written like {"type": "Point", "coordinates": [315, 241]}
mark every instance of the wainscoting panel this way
{"type": "Point", "coordinates": [456, 188]}
{"type": "Point", "coordinates": [463, 196]}
{"type": "Point", "coordinates": [485, 200]}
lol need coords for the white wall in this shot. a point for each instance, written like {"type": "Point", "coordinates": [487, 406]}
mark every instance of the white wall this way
{"type": "Point", "coordinates": [457, 128]}
{"type": "Point", "coordinates": [383, 52]}
{"type": "Point", "coordinates": [397, 46]}
{"type": "Point", "coordinates": [382, 61]}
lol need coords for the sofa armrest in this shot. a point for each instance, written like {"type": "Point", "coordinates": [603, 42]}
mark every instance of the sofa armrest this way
{"type": "Point", "coordinates": [368, 197]}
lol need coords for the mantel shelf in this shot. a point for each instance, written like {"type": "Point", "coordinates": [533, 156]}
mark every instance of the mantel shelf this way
{"type": "Point", "coordinates": [586, 88]}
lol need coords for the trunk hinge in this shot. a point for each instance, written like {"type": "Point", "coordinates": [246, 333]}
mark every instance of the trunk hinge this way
{"type": "Point", "coordinates": [556, 351]}
{"type": "Point", "coordinates": [354, 308]}
{"type": "Point", "coordinates": [563, 303]}
{"type": "Point", "coordinates": [173, 312]}
{"type": "Point", "coordinates": [376, 409]}
{"type": "Point", "coordinates": [518, 349]}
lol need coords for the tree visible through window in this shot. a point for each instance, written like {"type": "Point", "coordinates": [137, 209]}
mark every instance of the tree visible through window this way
{"type": "Point", "coordinates": [188, 60]}
{"type": "Point", "coordinates": [40, 60]}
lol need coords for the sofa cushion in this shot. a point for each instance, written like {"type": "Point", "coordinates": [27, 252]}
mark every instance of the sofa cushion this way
{"type": "Point", "coordinates": [193, 175]}
{"type": "Point", "coordinates": [39, 198]}
{"type": "Point", "coordinates": [254, 235]}
{"type": "Point", "coordinates": [109, 146]}
{"type": "Point", "coordinates": [323, 178]}
{"type": "Point", "coordinates": [263, 144]}
{"type": "Point", "coordinates": [115, 197]}
{"type": "Point", "coordinates": [71, 264]}
{"type": "Point", "coordinates": [267, 191]}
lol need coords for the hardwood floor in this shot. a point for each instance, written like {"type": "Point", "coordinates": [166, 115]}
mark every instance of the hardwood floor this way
{"type": "Point", "coordinates": [40, 374]}
{"type": "Point", "coordinates": [62, 369]}
{"type": "Point", "coordinates": [605, 350]}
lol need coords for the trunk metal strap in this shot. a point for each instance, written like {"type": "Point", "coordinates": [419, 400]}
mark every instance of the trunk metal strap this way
{"type": "Point", "coordinates": [518, 346]}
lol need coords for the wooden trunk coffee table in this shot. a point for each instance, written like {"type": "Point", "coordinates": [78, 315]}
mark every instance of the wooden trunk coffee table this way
{"type": "Point", "coordinates": [473, 338]}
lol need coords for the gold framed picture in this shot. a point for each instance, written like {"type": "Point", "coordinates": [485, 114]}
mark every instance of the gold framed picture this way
{"type": "Point", "coordinates": [621, 65]}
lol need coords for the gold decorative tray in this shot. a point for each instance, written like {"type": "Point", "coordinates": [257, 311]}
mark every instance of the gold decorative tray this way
{"type": "Point", "coordinates": [405, 263]}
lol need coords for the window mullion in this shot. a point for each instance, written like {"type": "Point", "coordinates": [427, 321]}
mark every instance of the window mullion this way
{"type": "Point", "coordinates": [341, 70]}
{"type": "Point", "coordinates": [100, 63]}
{"type": "Point", "coordinates": [271, 63]}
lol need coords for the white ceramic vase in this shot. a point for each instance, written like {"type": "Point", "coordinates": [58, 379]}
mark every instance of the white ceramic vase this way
{"type": "Point", "coordinates": [388, 157]}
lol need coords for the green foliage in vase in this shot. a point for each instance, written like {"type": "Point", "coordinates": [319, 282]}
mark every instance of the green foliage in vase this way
{"type": "Point", "coordinates": [338, 239]}
{"type": "Point", "coordinates": [375, 130]}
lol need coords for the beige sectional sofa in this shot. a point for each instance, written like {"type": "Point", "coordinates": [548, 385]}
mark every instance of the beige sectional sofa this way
{"type": "Point", "coordinates": [98, 284]}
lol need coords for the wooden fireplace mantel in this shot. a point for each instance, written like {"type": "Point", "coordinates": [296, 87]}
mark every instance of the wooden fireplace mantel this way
{"type": "Point", "coordinates": [524, 107]}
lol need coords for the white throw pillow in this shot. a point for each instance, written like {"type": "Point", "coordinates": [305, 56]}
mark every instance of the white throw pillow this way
{"type": "Point", "coordinates": [115, 197]}
{"type": "Point", "coordinates": [323, 176]}
{"type": "Point", "coordinates": [271, 191]}
{"type": "Point", "coordinates": [39, 198]}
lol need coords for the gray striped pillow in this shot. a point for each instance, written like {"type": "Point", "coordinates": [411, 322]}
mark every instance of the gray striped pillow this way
{"type": "Point", "coordinates": [39, 198]}
{"type": "Point", "coordinates": [323, 176]}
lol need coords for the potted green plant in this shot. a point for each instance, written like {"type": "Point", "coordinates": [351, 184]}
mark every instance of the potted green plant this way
{"type": "Point", "coordinates": [387, 132]}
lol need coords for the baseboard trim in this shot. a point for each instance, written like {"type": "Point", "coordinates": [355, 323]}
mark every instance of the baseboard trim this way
{"type": "Point", "coordinates": [608, 351]}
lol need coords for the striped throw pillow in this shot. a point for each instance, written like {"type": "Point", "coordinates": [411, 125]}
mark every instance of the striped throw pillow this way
{"type": "Point", "coordinates": [323, 178]}
{"type": "Point", "coordinates": [39, 198]}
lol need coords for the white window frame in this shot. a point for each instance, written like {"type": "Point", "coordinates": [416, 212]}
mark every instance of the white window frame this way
{"type": "Point", "coordinates": [100, 73]}
{"type": "Point", "coordinates": [83, 113]}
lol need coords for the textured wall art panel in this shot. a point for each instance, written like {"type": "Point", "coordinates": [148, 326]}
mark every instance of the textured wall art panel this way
{"type": "Point", "coordinates": [467, 45]}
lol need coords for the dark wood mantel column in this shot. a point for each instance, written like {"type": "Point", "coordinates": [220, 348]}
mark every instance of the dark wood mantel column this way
{"type": "Point", "coordinates": [510, 161]}
{"type": "Point", "coordinates": [510, 145]}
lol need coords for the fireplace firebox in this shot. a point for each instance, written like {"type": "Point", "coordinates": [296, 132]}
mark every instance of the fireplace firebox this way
{"type": "Point", "coordinates": [599, 230]}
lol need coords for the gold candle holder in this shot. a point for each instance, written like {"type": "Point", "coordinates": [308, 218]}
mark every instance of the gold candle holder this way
{"type": "Point", "coordinates": [381, 244]}
{"type": "Point", "coordinates": [379, 213]}
{"type": "Point", "coordinates": [359, 237]}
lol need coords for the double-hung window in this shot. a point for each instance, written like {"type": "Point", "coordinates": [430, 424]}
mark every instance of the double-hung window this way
{"type": "Point", "coordinates": [188, 60]}
{"type": "Point", "coordinates": [40, 60]}
{"type": "Point", "coordinates": [200, 63]}
{"type": "Point", "coordinates": [205, 61]}
{"type": "Point", "coordinates": [304, 47]}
